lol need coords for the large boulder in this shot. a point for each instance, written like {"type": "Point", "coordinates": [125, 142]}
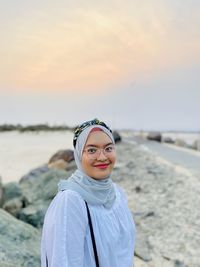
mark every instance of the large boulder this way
{"type": "Point", "coordinates": [13, 200]}
{"type": "Point", "coordinates": [34, 214]}
{"type": "Point", "coordinates": [168, 140]}
{"type": "Point", "coordinates": [20, 243]}
{"type": "Point", "coordinates": [180, 142]}
{"type": "Point", "coordinates": [42, 187]}
{"type": "Point", "coordinates": [13, 206]}
{"type": "Point", "coordinates": [11, 190]}
{"type": "Point", "coordinates": [29, 200]}
{"type": "Point", "coordinates": [35, 173]}
{"type": "Point", "coordinates": [154, 136]}
{"type": "Point", "coordinates": [63, 159]}
{"type": "Point", "coordinates": [117, 137]}
{"type": "Point", "coordinates": [62, 164]}
{"type": "Point", "coordinates": [196, 145]}
{"type": "Point", "coordinates": [66, 155]}
{"type": "Point", "coordinates": [38, 193]}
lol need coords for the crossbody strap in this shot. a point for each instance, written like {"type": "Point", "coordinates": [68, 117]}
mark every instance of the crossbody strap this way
{"type": "Point", "coordinates": [92, 236]}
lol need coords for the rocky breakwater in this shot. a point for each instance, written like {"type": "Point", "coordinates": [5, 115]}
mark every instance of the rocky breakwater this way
{"type": "Point", "coordinates": [164, 203]}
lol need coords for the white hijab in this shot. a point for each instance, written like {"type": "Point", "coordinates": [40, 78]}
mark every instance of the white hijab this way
{"type": "Point", "coordinates": [94, 192]}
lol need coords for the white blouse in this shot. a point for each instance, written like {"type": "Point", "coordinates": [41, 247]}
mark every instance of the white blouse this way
{"type": "Point", "coordinates": [66, 239]}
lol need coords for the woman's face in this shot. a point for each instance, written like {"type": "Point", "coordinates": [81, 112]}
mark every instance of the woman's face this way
{"type": "Point", "coordinates": [98, 156]}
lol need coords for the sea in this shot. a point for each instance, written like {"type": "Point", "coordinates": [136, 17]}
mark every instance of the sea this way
{"type": "Point", "coordinates": [22, 152]}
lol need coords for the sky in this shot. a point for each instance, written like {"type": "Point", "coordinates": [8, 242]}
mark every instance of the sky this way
{"type": "Point", "coordinates": [134, 64]}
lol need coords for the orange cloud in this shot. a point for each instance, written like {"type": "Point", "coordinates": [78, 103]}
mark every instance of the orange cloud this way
{"type": "Point", "coordinates": [91, 49]}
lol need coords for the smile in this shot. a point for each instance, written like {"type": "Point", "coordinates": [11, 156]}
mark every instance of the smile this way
{"type": "Point", "coordinates": [102, 166]}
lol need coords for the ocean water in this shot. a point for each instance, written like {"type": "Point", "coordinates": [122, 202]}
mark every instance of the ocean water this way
{"type": "Point", "coordinates": [21, 152]}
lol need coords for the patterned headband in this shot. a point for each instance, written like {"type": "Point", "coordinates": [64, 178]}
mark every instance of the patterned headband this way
{"type": "Point", "coordinates": [86, 124]}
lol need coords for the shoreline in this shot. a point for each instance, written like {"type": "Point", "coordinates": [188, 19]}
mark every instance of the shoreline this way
{"type": "Point", "coordinates": [24, 151]}
{"type": "Point", "coordinates": [160, 195]}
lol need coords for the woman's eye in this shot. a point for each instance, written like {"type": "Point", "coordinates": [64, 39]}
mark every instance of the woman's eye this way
{"type": "Point", "coordinates": [91, 150]}
{"type": "Point", "coordinates": [109, 149]}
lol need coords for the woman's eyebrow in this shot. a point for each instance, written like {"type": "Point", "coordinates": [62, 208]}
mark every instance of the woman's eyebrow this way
{"type": "Point", "coordinates": [94, 145]}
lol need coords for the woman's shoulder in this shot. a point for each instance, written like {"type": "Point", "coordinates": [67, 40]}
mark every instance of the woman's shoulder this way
{"type": "Point", "coordinates": [119, 191]}
{"type": "Point", "coordinates": [66, 204]}
{"type": "Point", "coordinates": [69, 197]}
{"type": "Point", "coordinates": [66, 200]}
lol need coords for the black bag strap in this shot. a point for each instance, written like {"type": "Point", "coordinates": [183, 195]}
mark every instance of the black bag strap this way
{"type": "Point", "coordinates": [92, 236]}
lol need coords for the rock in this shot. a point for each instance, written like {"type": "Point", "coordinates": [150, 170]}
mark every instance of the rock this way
{"type": "Point", "coordinates": [154, 136]}
{"type": "Point", "coordinates": [163, 201]}
{"type": "Point", "coordinates": [34, 214]}
{"type": "Point", "coordinates": [138, 189]}
{"type": "Point", "coordinates": [35, 173]}
{"type": "Point", "coordinates": [66, 155]}
{"type": "Point", "coordinates": [168, 140]}
{"type": "Point", "coordinates": [44, 186]}
{"type": "Point", "coordinates": [11, 190]}
{"type": "Point", "coordinates": [29, 200]}
{"type": "Point", "coordinates": [38, 193]}
{"type": "Point", "coordinates": [62, 164]}
{"type": "Point", "coordinates": [178, 263]}
{"type": "Point", "coordinates": [142, 249]}
{"type": "Point", "coordinates": [180, 142]}
{"type": "Point", "coordinates": [196, 145]}
{"type": "Point", "coordinates": [1, 192]}
{"type": "Point", "coordinates": [13, 206]}
{"type": "Point", "coordinates": [117, 137]}
{"type": "Point", "coordinates": [139, 262]}
{"type": "Point", "coordinates": [58, 164]}
{"type": "Point", "coordinates": [20, 242]}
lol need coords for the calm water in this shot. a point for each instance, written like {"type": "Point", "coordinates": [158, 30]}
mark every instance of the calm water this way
{"type": "Point", "coordinates": [20, 152]}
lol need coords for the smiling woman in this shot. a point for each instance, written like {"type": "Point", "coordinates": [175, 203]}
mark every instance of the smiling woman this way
{"type": "Point", "coordinates": [88, 222]}
{"type": "Point", "coordinates": [98, 157]}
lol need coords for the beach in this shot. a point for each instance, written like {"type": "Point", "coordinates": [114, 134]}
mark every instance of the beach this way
{"type": "Point", "coordinates": [163, 196]}
{"type": "Point", "coordinates": [21, 152]}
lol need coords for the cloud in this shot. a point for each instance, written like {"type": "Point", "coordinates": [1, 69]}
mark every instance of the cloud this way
{"type": "Point", "coordinates": [86, 46]}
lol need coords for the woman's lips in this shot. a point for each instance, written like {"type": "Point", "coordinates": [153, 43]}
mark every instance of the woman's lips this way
{"type": "Point", "coordinates": [102, 166]}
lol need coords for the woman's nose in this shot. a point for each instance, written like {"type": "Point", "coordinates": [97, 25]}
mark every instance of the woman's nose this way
{"type": "Point", "coordinates": [101, 155]}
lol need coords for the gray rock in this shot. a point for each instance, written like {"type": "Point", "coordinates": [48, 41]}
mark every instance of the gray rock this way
{"type": "Point", "coordinates": [13, 206]}
{"type": "Point", "coordinates": [34, 214]}
{"type": "Point", "coordinates": [142, 249]}
{"type": "Point", "coordinates": [1, 192]}
{"type": "Point", "coordinates": [180, 142]}
{"type": "Point", "coordinates": [38, 193]}
{"type": "Point", "coordinates": [168, 140]}
{"type": "Point", "coordinates": [117, 137]}
{"type": "Point", "coordinates": [164, 202]}
{"type": "Point", "coordinates": [196, 145]}
{"type": "Point", "coordinates": [19, 244]}
{"type": "Point", "coordinates": [154, 136]}
{"type": "Point", "coordinates": [35, 173]}
{"type": "Point", "coordinates": [43, 186]}
{"type": "Point", "coordinates": [178, 263]}
{"type": "Point", "coordinates": [11, 190]}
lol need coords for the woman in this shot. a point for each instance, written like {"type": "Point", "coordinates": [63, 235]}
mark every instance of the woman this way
{"type": "Point", "coordinates": [67, 238]}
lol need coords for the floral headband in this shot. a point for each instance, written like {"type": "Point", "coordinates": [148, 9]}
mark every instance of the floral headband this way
{"type": "Point", "coordinates": [86, 124]}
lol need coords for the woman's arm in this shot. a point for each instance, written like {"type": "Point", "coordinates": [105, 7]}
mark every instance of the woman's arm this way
{"type": "Point", "coordinates": [64, 231]}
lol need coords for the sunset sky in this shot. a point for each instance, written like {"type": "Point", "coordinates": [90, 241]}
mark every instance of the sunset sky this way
{"type": "Point", "coordinates": [134, 64]}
